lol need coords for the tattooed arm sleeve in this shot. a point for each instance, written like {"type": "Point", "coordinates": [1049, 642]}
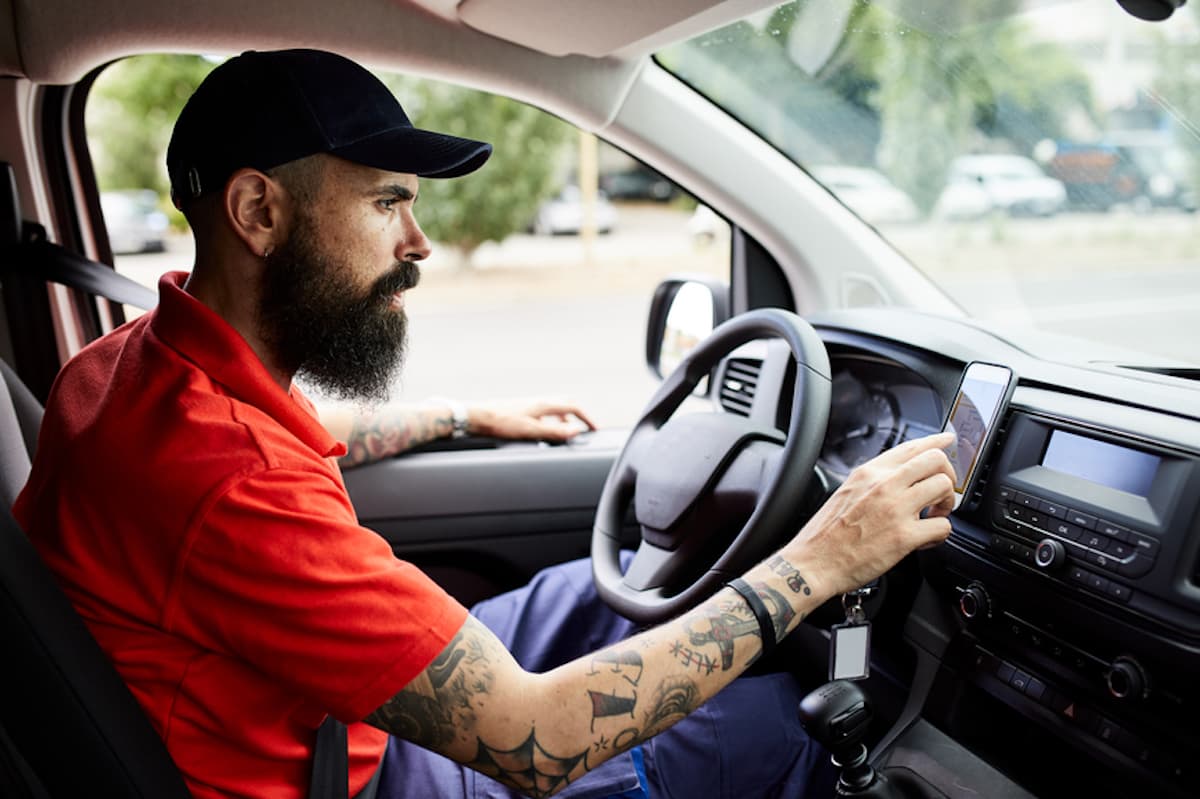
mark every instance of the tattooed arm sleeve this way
{"type": "Point", "coordinates": [389, 431]}
{"type": "Point", "coordinates": [541, 732]}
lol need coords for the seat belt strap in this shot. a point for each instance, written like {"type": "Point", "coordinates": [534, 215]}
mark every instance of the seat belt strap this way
{"type": "Point", "coordinates": [40, 258]}
{"type": "Point", "coordinates": [331, 762]}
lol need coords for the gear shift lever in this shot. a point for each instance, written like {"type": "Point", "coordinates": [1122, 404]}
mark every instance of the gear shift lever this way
{"type": "Point", "coordinates": [837, 716]}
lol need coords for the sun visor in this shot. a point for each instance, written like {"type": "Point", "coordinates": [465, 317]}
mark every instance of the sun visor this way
{"type": "Point", "coordinates": [585, 27]}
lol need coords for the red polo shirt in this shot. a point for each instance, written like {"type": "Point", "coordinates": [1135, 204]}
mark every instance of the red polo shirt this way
{"type": "Point", "coordinates": [194, 514]}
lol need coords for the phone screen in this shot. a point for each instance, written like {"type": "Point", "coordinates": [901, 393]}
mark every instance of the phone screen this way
{"type": "Point", "coordinates": [976, 408]}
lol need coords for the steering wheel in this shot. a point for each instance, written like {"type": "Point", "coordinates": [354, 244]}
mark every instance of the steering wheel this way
{"type": "Point", "coordinates": [713, 493]}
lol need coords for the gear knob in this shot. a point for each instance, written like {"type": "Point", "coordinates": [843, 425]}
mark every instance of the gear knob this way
{"type": "Point", "coordinates": [837, 716]}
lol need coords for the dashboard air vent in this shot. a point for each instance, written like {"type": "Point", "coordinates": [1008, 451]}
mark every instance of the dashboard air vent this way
{"type": "Point", "coordinates": [738, 385]}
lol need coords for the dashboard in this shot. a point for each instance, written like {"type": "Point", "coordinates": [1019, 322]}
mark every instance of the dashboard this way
{"type": "Point", "coordinates": [1057, 632]}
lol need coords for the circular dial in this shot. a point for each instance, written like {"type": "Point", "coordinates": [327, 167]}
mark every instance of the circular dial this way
{"type": "Point", "coordinates": [863, 429]}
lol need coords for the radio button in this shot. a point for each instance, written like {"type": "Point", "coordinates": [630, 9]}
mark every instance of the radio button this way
{"type": "Point", "coordinates": [1017, 512]}
{"type": "Point", "coordinates": [1019, 680]}
{"type": "Point", "coordinates": [1108, 731]}
{"type": "Point", "coordinates": [1006, 493]}
{"type": "Point", "coordinates": [1027, 500]}
{"type": "Point", "coordinates": [1052, 509]}
{"type": "Point", "coordinates": [1000, 517]}
{"type": "Point", "coordinates": [1119, 549]}
{"type": "Point", "coordinates": [1050, 554]}
{"type": "Point", "coordinates": [1093, 541]}
{"type": "Point", "coordinates": [1108, 528]}
{"type": "Point", "coordinates": [1066, 530]}
{"type": "Point", "coordinates": [1137, 566]}
{"type": "Point", "coordinates": [1036, 689]}
{"type": "Point", "coordinates": [1078, 575]}
{"type": "Point", "coordinates": [1146, 545]}
{"type": "Point", "coordinates": [1119, 592]}
{"type": "Point", "coordinates": [1097, 583]}
{"type": "Point", "coordinates": [1102, 560]}
{"type": "Point", "coordinates": [1085, 520]}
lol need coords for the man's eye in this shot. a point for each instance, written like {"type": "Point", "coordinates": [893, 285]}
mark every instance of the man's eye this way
{"type": "Point", "coordinates": [386, 204]}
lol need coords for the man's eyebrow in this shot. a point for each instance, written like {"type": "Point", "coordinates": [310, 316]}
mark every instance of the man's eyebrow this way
{"type": "Point", "coordinates": [396, 190]}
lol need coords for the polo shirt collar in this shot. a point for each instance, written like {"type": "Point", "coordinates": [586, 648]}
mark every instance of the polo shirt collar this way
{"type": "Point", "coordinates": [203, 337]}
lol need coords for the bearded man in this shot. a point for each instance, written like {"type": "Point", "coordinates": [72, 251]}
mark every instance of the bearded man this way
{"type": "Point", "coordinates": [187, 497]}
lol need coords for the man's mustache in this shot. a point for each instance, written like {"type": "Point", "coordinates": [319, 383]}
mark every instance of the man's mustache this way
{"type": "Point", "coordinates": [405, 275]}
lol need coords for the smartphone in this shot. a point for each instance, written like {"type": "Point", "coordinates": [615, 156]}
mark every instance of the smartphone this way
{"type": "Point", "coordinates": [982, 395]}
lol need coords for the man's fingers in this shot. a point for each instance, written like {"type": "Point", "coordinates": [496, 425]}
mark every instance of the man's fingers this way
{"type": "Point", "coordinates": [563, 410]}
{"type": "Point", "coordinates": [933, 531]}
{"type": "Point", "coordinates": [935, 491]}
{"type": "Point", "coordinates": [925, 464]}
{"type": "Point", "coordinates": [914, 447]}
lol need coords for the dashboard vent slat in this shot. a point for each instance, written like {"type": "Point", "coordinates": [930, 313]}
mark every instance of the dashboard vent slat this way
{"type": "Point", "coordinates": [738, 385]}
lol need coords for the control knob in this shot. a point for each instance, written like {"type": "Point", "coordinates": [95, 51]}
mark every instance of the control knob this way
{"type": "Point", "coordinates": [1127, 679]}
{"type": "Point", "coordinates": [1050, 554]}
{"type": "Point", "coordinates": [975, 602]}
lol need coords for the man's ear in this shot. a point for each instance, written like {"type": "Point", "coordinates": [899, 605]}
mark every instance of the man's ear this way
{"type": "Point", "coordinates": [255, 208]}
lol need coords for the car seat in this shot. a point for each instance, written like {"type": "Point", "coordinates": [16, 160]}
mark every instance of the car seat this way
{"type": "Point", "coordinates": [69, 726]}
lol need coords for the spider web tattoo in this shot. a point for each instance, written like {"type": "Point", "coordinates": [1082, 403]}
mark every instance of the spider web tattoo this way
{"type": "Point", "coordinates": [528, 767]}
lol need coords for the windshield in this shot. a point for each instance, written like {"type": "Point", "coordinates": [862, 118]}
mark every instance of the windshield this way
{"type": "Point", "coordinates": [1048, 152]}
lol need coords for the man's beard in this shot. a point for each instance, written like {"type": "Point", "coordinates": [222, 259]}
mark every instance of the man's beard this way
{"type": "Point", "coordinates": [349, 346]}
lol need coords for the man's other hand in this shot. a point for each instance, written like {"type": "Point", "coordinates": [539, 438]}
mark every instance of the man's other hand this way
{"type": "Point", "coordinates": [535, 420]}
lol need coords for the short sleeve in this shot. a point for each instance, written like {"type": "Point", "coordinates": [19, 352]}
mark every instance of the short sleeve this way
{"type": "Point", "coordinates": [278, 573]}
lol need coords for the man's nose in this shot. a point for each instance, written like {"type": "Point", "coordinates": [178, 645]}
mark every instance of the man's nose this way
{"type": "Point", "coordinates": [416, 245]}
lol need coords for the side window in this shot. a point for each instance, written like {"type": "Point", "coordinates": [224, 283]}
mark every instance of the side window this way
{"type": "Point", "coordinates": [544, 261]}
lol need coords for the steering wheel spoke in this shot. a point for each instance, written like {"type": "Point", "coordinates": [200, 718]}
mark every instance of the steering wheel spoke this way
{"type": "Point", "coordinates": [652, 567]}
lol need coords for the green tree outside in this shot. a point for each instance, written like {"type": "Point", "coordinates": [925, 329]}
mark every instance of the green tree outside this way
{"type": "Point", "coordinates": [129, 116]}
{"type": "Point", "coordinates": [530, 148]}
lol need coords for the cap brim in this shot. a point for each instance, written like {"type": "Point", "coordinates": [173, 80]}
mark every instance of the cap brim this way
{"type": "Point", "coordinates": [417, 152]}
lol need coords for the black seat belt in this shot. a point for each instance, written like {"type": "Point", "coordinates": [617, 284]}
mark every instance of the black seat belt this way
{"type": "Point", "coordinates": [40, 258]}
{"type": "Point", "coordinates": [331, 762]}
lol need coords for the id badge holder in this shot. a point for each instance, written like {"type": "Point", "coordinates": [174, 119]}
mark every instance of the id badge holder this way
{"type": "Point", "coordinates": [850, 641]}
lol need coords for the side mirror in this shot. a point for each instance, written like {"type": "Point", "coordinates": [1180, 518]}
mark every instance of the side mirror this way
{"type": "Point", "coordinates": [683, 312]}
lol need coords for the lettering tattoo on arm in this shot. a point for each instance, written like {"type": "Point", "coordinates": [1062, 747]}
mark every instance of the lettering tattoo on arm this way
{"type": "Point", "coordinates": [795, 582]}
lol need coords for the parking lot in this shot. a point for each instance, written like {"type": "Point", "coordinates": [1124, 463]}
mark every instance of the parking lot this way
{"type": "Point", "coordinates": [539, 315]}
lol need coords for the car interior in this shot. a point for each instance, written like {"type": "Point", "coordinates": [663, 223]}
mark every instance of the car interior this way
{"type": "Point", "coordinates": [1048, 648]}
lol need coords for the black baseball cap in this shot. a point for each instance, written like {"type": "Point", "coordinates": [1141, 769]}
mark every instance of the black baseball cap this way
{"type": "Point", "coordinates": [262, 109]}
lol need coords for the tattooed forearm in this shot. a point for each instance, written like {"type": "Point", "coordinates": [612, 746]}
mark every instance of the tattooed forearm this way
{"type": "Point", "coordinates": [538, 733]}
{"type": "Point", "coordinates": [701, 662]}
{"type": "Point", "coordinates": [720, 629]}
{"type": "Point", "coordinates": [795, 582]}
{"type": "Point", "coordinates": [781, 612]}
{"type": "Point", "coordinates": [391, 431]}
{"type": "Point", "coordinates": [676, 698]}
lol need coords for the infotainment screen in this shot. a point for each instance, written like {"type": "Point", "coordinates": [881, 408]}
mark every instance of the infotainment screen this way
{"type": "Point", "coordinates": [1100, 462]}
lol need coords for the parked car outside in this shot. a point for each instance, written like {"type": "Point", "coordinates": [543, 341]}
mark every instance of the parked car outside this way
{"type": "Point", "coordinates": [1098, 176]}
{"type": "Point", "coordinates": [1013, 183]}
{"type": "Point", "coordinates": [135, 223]}
{"type": "Point", "coordinates": [868, 193]}
{"type": "Point", "coordinates": [563, 214]}
{"type": "Point", "coordinates": [638, 183]}
{"type": "Point", "coordinates": [962, 200]}
{"type": "Point", "coordinates": [1167, 167]}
